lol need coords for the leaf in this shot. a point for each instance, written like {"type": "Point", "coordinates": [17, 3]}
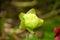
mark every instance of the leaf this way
{"type": "Point", "coordinates": [21, 15]}
{"type": "Point", "coordinates": [32, 11]}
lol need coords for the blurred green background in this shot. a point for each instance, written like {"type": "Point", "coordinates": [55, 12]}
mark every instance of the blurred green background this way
{"type": "Point", "coordinates": [49, 10]}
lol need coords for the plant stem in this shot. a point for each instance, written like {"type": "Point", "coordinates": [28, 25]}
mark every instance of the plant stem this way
{"type": "Point", "coordinates": [1, 25]}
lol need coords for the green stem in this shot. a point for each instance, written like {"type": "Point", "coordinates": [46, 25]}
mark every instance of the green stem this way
{"type": "Point", "coordinates": [2, 20]}
{"type": "Point", "coordinates": [54, 7]}
{"type": "Point", "coordinates": [1, 25]}
{"type": "Point", "coordinates": [30, 30]}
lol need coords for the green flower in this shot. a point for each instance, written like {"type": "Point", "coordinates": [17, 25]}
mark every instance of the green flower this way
{"type": "Point", "coordinates": [30, 20]}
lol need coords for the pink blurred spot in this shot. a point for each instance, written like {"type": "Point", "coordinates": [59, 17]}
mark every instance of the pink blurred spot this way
{"type": "Point", "coordinates": [57, 37]}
